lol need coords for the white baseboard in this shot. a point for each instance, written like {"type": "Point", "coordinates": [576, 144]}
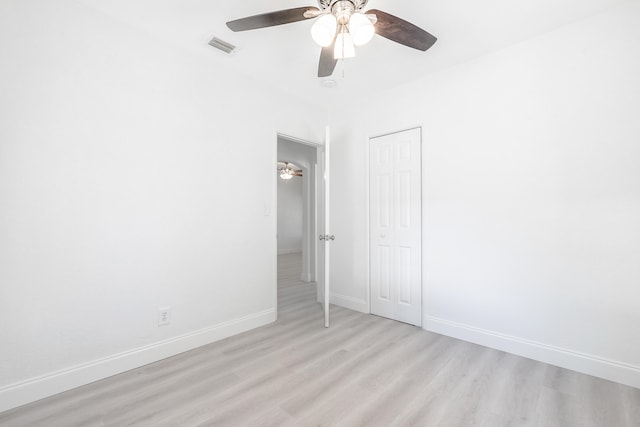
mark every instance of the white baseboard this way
{"type": "Point", "coordinates": [592, 365]}
{"type": "Point", "coordinates": [57, 382]}
{"type": "Point", "coordinates": [289, 251]}
{"type": "Point", "coordinates": [349, 302]}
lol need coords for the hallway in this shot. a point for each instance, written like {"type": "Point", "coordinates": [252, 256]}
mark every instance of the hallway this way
{"type": "Point", "coordinates": [290, 272]}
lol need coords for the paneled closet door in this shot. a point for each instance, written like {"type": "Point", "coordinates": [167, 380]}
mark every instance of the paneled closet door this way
{"type": "Point", "coordinates": [395, 217]}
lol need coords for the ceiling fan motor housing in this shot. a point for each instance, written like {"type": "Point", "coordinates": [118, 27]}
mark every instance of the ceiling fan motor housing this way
{"type": "Point", "coordinates": [356, 5]}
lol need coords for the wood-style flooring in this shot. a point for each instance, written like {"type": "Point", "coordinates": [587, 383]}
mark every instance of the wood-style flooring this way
{"type": "Point", "coordinates": [363, 371]}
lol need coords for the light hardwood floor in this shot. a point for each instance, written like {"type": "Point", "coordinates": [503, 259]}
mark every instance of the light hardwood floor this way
{"type": "Point", "coordinates": [363, 371]}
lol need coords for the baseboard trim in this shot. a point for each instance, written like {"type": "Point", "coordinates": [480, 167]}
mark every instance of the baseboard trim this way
{"type": "Point", "coordinates": [349, 302]}
{"type": "Point", "coordinates": [34, 389]}
{"type": "Point", "coordinates": [611, 370]}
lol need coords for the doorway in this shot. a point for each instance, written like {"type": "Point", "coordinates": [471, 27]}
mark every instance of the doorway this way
{"type": "Point", "coordinates": [395, 233]}
{"type": "Point", "coordinates": [297, 201]}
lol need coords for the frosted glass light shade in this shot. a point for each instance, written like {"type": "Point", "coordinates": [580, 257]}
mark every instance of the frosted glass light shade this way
{"type": "Point", "coordinates": [344, 46]}
{"type": "Point", "coordinates": [324, 30]}
{"type": "Point", "coordinates": [361, 29]}
{"type": "Point", "coordinates": [286, 174]}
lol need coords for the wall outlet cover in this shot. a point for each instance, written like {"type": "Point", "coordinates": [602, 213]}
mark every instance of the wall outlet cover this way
{"type": "Point", "coordinates": [164, 316]}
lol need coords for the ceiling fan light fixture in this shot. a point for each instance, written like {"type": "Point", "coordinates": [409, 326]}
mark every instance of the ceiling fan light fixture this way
{"type": "Point", "coordinates": [345, 16]}
{"type": "Point", "coordinates": [361, 29]}
{"type": "Point", "coordinates": [324, 30]}
{"type": "Point", "coordinates": [286, 174]}
{"type": "Point", "coordinates": [344, 46]}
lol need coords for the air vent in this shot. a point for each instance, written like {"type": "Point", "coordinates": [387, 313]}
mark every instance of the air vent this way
{"type": "Point", "coordinates": [222, 45]}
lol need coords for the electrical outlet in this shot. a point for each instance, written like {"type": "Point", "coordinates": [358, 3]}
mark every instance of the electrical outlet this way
{"type": "Point", "coordinates": [164, 316]}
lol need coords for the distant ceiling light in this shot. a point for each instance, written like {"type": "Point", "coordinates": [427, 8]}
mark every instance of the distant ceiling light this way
{"type": "Point", "coordinates": [288, 171]}
{"type": "Point", "coordinates": [286, 174]}
{"type": "Point", "coordinates": [324, 30]}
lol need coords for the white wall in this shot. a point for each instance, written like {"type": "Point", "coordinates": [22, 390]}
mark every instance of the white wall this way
{"type": "Point", "coordinates": [120, 195]}
{"type": "Point", "coordinates": [531, 195]}
{"type": "Point", "coordinates": [290, 215]}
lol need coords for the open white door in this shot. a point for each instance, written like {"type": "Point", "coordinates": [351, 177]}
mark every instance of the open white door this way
{"type": "Point", "coordinates": [325, 238]}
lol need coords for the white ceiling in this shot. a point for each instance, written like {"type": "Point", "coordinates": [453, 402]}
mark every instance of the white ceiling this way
{"type": "Point", "coordinates": [286, 57]}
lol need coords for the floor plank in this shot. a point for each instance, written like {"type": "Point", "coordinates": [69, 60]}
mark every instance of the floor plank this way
{"type": "Point", "coordinates": [364, 370]}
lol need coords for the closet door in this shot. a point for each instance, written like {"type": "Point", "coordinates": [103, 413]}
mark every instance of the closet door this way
{"type": "Point", "coordinates": [395, 212]}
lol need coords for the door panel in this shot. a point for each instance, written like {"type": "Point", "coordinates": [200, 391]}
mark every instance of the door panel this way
{"type": "Point", "coordinates": [396, 226]}
{"type": "Point", "coordinates": [384, 269]}
{"type": "Point", "coordinates": [324, 244]}
{"type": "Point", "coordinates": [385, 200]}
{"type": "Point", "coordinates": [404, 282]}
{"type": "Point", "coordinates": [320, 250]}
{"type": "Point", "coordinates": [404, 200]}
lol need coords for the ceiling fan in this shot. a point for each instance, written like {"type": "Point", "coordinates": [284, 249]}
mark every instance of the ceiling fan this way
{"type": "Point", "coordinates": [288, 170]}
{"type": "Point", "coordinates": [342, 24]}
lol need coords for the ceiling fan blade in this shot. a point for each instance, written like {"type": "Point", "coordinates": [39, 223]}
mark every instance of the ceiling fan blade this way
{"type": "Point", "coordinates": [327, 61]}
{"type": "Point", "coordinates": [401, 31]}
{"type": "Point", "coordinates": [271, 19]}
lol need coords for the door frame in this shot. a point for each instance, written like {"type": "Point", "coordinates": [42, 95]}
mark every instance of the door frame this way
{"type": "Point", "coordinates": [312, 227]}
{"type": "Point", "coordinates": [368, 217]}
